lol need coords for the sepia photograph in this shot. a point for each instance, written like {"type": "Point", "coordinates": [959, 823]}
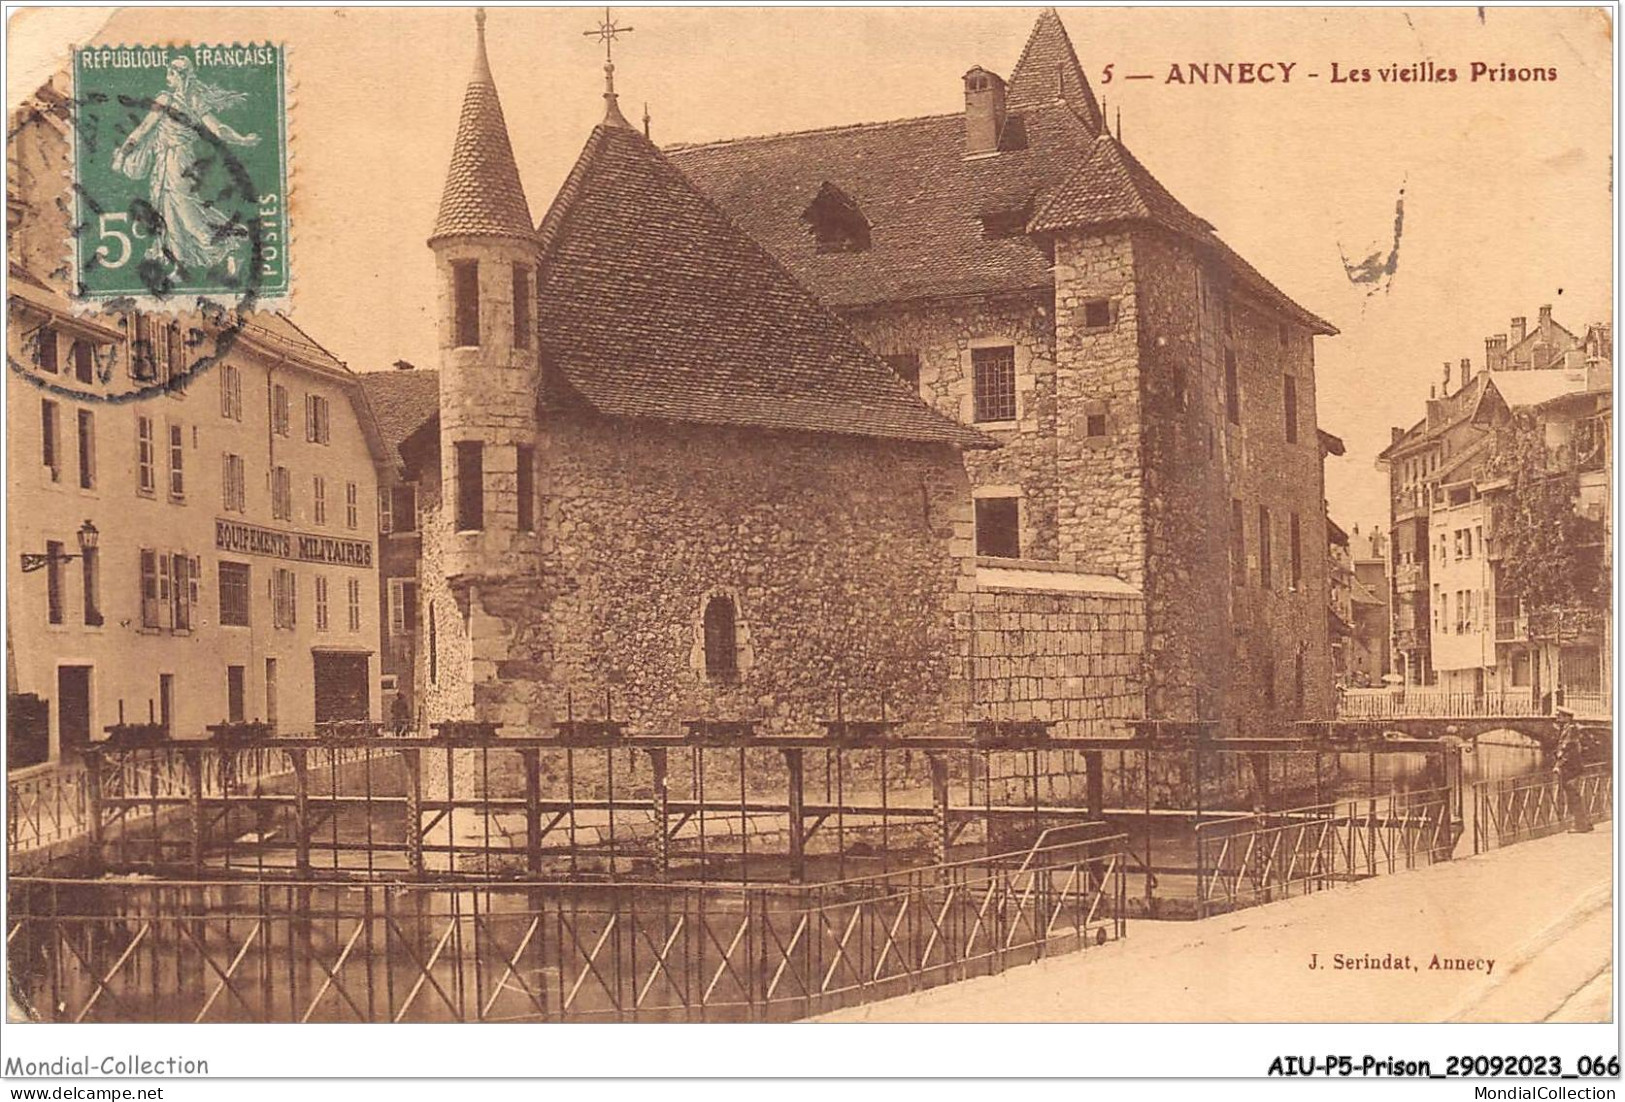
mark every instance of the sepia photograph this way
{"type": "Point", "coordinates": [867, 515]}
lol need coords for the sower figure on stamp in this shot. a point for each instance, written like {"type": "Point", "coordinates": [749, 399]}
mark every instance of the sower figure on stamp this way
{"type": "Point", "coordinates": [162, 150]}
{"type": "Point", "coordinates": [1570, 760]}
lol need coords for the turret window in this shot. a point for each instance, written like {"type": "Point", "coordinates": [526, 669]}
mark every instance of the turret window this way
{"type": "Point", "coordinates": [527, 488]}
{"type": "Point", "coordinates": [470, 486]}
{"type": "Point", "coordinates": [465, 294]}
{"type": "Point", "coordinates": [521, 306]}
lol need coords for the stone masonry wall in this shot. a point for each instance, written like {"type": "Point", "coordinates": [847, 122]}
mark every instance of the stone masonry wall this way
{"type": "Point", "coordinates": [943, 336]}
{"type": "Point", "coordinates": [1072, 659]}
{"type": "Point", "coordinates": [846, 559]}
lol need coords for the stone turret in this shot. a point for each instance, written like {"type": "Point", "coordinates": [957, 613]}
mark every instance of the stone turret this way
{"type": "Point", "coordinates": [486, 255]}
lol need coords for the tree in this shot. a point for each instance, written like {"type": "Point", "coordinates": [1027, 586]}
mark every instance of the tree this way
{"type": "Point", "coordinates": [1550, 554]}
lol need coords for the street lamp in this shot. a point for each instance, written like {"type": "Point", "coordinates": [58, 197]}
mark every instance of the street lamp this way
{"type": "Point", "coordinates": [89, 537]}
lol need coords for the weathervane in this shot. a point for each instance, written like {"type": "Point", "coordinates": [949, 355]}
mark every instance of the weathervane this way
{"type": "Point", "coordinates": [608, 30]}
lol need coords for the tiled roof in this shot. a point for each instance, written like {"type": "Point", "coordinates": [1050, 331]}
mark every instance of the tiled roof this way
{"type": "Point", "coordinates": [1049, 70]}
{"type": "Point", "coordinates": [1111, 185]}
{"type": "Point", "coordinates": [923, 200]}
{"type": "Point", "coordinates": [652, 304]}
{"type": "Point", "coordinates": [483, 195]}
{"type": "Point", "coordinates": [401, 401]}
{"type": "Point", "coordinates": [281, 332]}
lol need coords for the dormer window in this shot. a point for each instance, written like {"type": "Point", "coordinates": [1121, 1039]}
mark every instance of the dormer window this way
{"type": "Point", "coordinates": [1010, 222]}
{"type": "Point", "coordinates": [838, 225]}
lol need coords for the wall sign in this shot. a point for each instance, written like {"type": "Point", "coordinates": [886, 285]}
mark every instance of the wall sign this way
{"type": "Point", "coordinates": [249, 539]}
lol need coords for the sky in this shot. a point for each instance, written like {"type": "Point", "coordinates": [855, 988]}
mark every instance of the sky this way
{"type": "Point", "coordinates": [1506, 186]}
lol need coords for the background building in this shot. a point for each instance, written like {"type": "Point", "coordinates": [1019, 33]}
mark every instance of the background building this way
{"type": "Point", "coordinates": [1528, 434]}
{"type": "Point", "coordinates": [200, 553]}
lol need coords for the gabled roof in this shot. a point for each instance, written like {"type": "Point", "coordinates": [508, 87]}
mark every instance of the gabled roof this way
{"type": "Point", "coordinates": [925, 199]}
{"type": "Point", "coordinates": [922, 197]}
{"type": "Point", "coordinates": [652, 304]}
{"type": "Point", "coordinates": [401, 401]}
{"type": "Point", "coordinates": [483, 196]}
{"type": "Point", "coordinates": [1048, 70]}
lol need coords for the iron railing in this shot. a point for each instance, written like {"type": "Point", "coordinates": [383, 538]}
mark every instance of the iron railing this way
{"type": "Point", "coordinates": [1517, 809]}
{"type": "Point", "coordinates": [265, 951]}
{"type": "Point", "coordinates": [1260, 859]}
{"type": "Point", "coordinates": [1434, 703]}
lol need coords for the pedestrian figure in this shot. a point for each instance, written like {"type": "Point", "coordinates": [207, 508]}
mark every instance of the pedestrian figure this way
{"type": "Point", "coordinates": [1570, 761]}
{"type": "Point", "coordinates": [400, 714]}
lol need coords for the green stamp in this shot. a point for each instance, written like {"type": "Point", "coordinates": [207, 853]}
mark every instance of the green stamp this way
{"type": "Point", "coordinates": [181, 174]}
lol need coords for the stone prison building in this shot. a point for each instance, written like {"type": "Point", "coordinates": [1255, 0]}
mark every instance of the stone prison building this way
{"type": "Point", "coordinates": [956, 417]}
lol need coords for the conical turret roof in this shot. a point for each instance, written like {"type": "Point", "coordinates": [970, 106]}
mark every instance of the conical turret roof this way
{"type": "Point", "coordinates": [483, 196]}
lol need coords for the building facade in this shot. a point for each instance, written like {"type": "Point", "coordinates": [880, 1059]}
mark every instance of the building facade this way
{"type": "Point", "coordinates": [191, 503]}
{"type": "Point", "coordinates": [1154, 395]}
{"type": "Point", "coordinates": [1455, 625]}
{"type": "Point", "coordinates": [663, 484]}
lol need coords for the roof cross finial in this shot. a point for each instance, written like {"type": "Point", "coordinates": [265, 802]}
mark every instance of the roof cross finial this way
{"type": "Point", "coordinates": [482, 67]}
{"type": "Point", "coordinates": [608, 30]}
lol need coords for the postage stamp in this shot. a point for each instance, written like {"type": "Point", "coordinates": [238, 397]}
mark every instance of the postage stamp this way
{"type": "Point", "coordinates": [180, 174]}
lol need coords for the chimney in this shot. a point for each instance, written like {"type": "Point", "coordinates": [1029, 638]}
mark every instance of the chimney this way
{"type": "Point", "coordinates": [984, 111]}
{"type": "Point", "coordinates": [1545, 316]}
{"type": "Point", "coordinates": [1520, 327]}
{"type": "Point", "coordinates": [1495, 352]}
{"type": "Point", "coordinates": [1394, 433]}
{"type": "Point", "coordinates": [1445, 393]}
{"type": "Point", "coordinates": [1466, 370]}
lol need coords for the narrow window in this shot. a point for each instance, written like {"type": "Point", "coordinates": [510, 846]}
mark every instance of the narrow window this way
{"type": "Point", "coordinates": [53, 581]}
{"type": "Point", "coordinates": [49, 453]}
{"type": "Point", "coordinates": [280, 417]}
{"type": "Point", "coordinates": [285, 599]}
{"type": "Point", "coordinates": [1232, 389]}
{"type": "Point", "coordinates": [521, 306]}
{"type": "Point", "coordinates": [907, 366]}
{"type": "Point", "coordinates": [1094, 424]}
{"type": "Point", "coordinates": [352, 505]}
{"type": "Point", "coordinates": [403, 506]}
{"type": "Point", "coordinates": [386, 518]}
{"type": "Point", "coordinates": [318, 419]}
{"type": "Point", "coordinates": [1284, 335]}
{"type": "Point", "coordinates": [1295, 535]}
{"type": "Point", "coordinates": [281, 494]}
{"type": "Point", "coordinates": [87, 450]}
{"type": "Point", "coordinates": [403, 606]}
{"type": "Point", "coordinates": [1097, 313]}
{"type": "Point", "coordinates": [434, 649]}
{"type": "Point", "coordinates": [177, 460]}
{"type": "Point", "coordinates": [470, 486]}
{"type": "Point", "coordinates": [355, 604]}
{"type": "Point", "coordinates": [236, 484]}
{"type": "Point", "coordinates": [994, 383]}
{"type": "Point", "coordinates": [90, 562]}
{"type": "Point", "coordinates": [527, 488]}
{"type": "Point", "coordinates": [270, 691]}
{"type": "Point", "coordinates": [721, 638]}
{"type": "Point", "coordinates": [47, 350]}
{"type": "Point", "coordinates": [184, 590]}
{"type": "Point", "coordinates": [321, 603]}
{"type": "Point", "coordinates": [84, 362]}
{"type": "Point", "coordinates": [234, 694]}
{"type": "Point", "coordinates": [1238, 542]}
{"type": "Point", "coordinates": [1264, 546]}
{"type": "Point", "coordinates": [1289, 401]}
{"type": "Point", "coordinates": [234, 581]}
{"type": "Point", "coordinates": [465, 290]}
{"type": "Point", "coordinates": [149, 588]}
{"type": "Point", "coordinates": [318, 492]}
{"type": "Point", "coordinates": [231, 392]}
{"type": "Point", "coordinates": [146, 459]}
{"type": "Point", "coordinates": [998, 527]}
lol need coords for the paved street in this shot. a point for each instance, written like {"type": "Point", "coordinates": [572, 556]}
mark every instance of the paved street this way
{"type": "Point", "coordinates": [1540, 911]}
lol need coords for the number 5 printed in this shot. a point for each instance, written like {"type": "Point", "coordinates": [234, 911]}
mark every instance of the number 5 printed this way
{"type": "Point", "coordinates": [104, 230]}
